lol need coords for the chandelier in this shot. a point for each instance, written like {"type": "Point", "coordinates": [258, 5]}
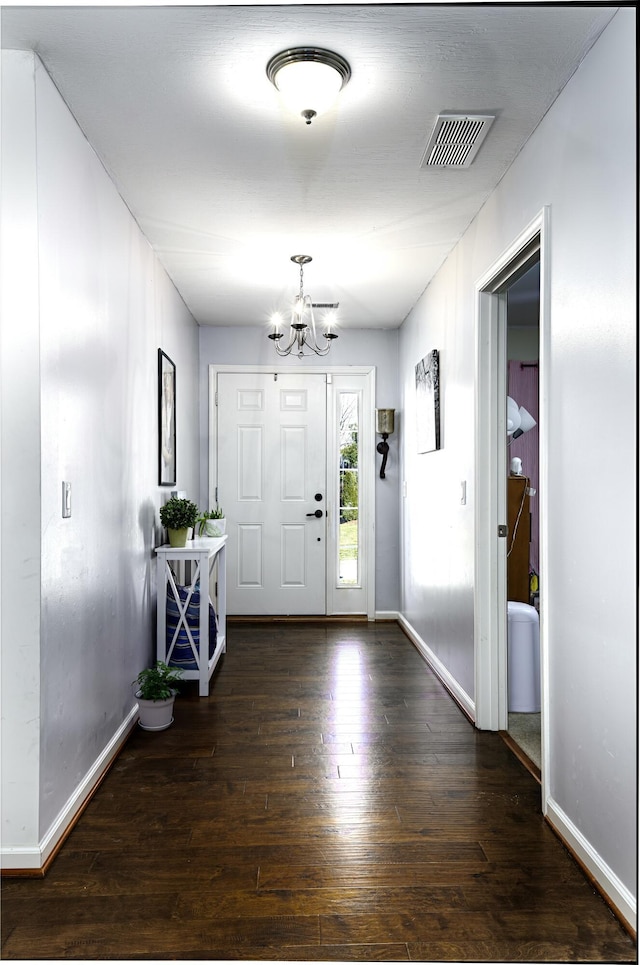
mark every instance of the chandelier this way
{"type": "Point", "coordinates": [303, 325]}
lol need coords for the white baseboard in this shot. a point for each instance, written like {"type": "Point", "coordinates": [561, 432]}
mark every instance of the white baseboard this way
{"type": "Point", "coordinates": [612, 888]}
{"type": "Point", "coordinates": [615, 892]}
{"type": "Point", "coordinates": [35, 858]}
{"type": "Point", "coordinates": [387, 615]}
{"type": "Point", "coordinates": [449, 681]}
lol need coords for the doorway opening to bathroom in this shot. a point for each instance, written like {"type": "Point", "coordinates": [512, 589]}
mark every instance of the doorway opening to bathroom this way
{"type": "Point", "coordinates": [523, 519]}
{"type": "Point", "coordinates": [493, 465]}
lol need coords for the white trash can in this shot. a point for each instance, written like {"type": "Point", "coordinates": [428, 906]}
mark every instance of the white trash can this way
{"type": "Point", "coordinates": [523, 658]}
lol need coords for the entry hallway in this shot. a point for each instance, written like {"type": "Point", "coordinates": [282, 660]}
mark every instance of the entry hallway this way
{"type": "Point", "coordinates": [328, 801]}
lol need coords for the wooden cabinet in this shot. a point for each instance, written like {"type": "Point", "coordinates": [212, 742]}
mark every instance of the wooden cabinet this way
{"type": "Point", "coordinates": [518, 539]}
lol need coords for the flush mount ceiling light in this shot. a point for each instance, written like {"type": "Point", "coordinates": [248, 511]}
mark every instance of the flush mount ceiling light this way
{"type": "Point", "coordinates": [303, 324]}
{"type": "Point", "coordinates": [309, 78]}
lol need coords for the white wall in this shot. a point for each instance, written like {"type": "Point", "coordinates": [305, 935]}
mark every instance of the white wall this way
{"type": "Point", "coordinates": [250, 346]}
{"type": "Point", "coordinates": [105, 306]}
{"type": "Point", "coordinates": [580, 162]}
{"type": "Point", "coordinates": [20, 459]}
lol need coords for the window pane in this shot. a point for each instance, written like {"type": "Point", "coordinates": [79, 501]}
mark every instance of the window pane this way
{"type": "Point", "coordinates": [348, 488]}
{"type": "Point", "coordinates": [348, 549]}
{"type": "Point", "coordinates": [348, 526]}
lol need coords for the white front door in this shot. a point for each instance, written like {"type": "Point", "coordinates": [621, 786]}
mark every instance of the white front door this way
{"type": "Point", "coordinates": [271, 480]}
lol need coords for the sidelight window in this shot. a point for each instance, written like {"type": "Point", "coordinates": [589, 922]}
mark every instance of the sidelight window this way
{"type": "Point", "coordinates": [349, 416]}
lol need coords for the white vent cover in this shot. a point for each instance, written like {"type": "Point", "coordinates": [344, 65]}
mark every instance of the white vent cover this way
{"type": "Point", "coordinates": [456, 139]}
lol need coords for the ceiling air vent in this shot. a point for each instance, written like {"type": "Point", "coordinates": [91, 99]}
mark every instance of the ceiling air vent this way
{"type": "Point", "coordinates": [456, 140]}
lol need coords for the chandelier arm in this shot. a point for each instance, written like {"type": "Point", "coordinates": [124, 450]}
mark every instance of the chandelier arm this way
{"type": "Point", "coordinates": [287, 349]}
{"type": "Point", "coordinates": [283, 352]}
{"type": "Point", "coordinates": [300, 341]}
{"type": "Point", "coordinates": [317, 350]}
{"type": "Point", "coordinates": [301, 345]}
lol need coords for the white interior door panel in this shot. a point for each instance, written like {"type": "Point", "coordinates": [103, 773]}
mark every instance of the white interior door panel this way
{"type": "Point", "coordinates": [271, 438]}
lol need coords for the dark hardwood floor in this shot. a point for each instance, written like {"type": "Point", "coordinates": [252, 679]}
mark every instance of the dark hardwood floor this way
{"type": "Point", "coordinates": [328, 801]}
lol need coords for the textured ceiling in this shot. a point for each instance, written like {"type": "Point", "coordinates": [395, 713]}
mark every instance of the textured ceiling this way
{"type": "Point", "coordinates": [227, 185]}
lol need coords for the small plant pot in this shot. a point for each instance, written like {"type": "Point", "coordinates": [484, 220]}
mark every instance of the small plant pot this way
{"type": "Point", "coordinates": [155, 714]}
{"type": "Point", "coordinates": [178, 537]}
{"type": "Point", "coordinates": [213, 527]}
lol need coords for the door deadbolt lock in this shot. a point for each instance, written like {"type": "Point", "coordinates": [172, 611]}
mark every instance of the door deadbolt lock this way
{"type": "Point", "coordinates": [318, 497]}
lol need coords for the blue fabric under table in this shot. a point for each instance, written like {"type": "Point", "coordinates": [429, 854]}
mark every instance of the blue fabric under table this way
{"type": "Point", "coordinates": [182, 655]}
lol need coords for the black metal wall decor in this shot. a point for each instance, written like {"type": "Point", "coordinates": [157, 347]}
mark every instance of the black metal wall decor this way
{"type": "Point", "coordinates": [428, 402]}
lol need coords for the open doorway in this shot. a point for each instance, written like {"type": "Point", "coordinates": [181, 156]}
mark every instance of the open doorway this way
{"type": "Point", "coordinates": [492, 472]}
{"type": "Point", "coordinates": [523, 518]}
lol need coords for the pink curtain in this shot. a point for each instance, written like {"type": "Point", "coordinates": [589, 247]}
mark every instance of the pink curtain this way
{"type": "Point", "coordinates": [522, 382]}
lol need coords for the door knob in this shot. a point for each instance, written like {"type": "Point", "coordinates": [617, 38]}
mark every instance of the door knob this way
{"type": "Point", "coordinates": [318, 514]}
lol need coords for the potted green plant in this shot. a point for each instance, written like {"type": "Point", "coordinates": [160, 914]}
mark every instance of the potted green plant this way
{"type": "Point", "coordinates": [212, 522]}
{"type": "Point", "coordinates": [178, 516]}
{"type": "Point", "coordinates": [156, 694]}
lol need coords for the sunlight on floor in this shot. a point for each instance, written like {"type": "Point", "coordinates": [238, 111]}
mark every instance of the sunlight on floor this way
{"type": "Point", "coordinates": [348, 686]}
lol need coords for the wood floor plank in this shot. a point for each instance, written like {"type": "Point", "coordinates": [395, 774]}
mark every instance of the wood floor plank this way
{"type": "Point", "coordinates": [516, 951]}
{"type": "Point", "coordinates": [327, 802]}
{"type": "Point", "coordinates": [91, 909]}
{"type": "Point", "coordinates": [305, 953]}
{"type": "Point", "coordinates": [407, 926]}
{"type": "Point", "coordinates": [369, 900]}
{"type": "Point", "coordinates": [368, 876]}
{"type": "Point", "coordinates": [159, 935]}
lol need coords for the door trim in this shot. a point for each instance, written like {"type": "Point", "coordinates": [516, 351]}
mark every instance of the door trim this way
{"type": "Point", "coordinates": [490, 623]}
{"type": "Point", "coordinates": [368, 477]}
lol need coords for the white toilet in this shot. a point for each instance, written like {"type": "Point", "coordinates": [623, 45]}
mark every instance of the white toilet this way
{"type": "Point", "coordinates": [523, 657]}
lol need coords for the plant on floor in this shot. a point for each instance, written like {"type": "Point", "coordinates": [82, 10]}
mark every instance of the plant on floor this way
{"type": "Point", "coordinates": [156, 695]}
{"type": "Point", "coordinates": [158, 682]}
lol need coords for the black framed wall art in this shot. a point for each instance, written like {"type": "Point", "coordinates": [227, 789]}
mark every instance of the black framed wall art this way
{"type": "Point", "coordinates": [166, 420]}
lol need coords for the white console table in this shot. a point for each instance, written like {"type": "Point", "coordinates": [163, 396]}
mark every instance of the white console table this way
{"type": "Point", "coordinates": [204, 554]}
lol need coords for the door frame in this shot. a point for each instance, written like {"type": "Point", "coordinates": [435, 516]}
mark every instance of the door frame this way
{"type": "Point", "coordinates": [490, 603]}
{"type": "Point", "coordinates": [367, 477]}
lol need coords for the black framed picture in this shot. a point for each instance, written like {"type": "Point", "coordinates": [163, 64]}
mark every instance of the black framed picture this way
{"type": "Point", "coordinates": [166, 420]}
{"type": "Point", "coordinates": [428, 402]}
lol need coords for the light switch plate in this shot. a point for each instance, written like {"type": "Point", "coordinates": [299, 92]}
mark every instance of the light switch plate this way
{"type": "Point", "coordinates": [66, 500]}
